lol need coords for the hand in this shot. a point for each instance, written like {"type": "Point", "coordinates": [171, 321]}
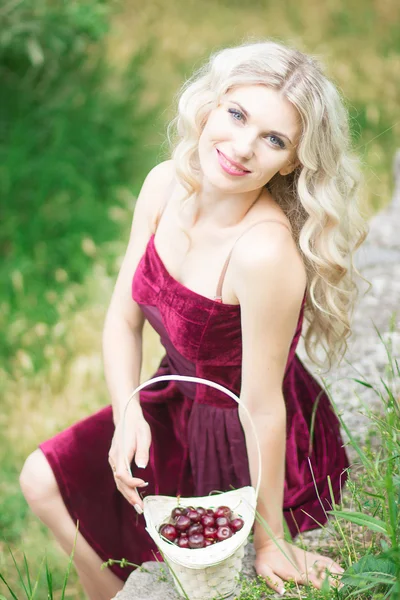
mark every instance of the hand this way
{"type": "Point", "coordinates": [137, 444]}
{"type": "Point", "coordinates": [300, 566]}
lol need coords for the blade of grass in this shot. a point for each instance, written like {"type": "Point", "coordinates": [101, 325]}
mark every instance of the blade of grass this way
{"type": "Point", "coordinates": [316, 489]}
{"type": "Point", "coordinates": [377, 577]}
{"type": "Point", "coordinates": [336, 519]}
{"type": "Point", "coordinates": [28, 577]}
{"type": "Point", "coordinates": [21, 579]}
{"type": "Point", "coordinates": [390, 359]}
{"type": "Point", "coordinates": [366, 463]}
{"type": "Point", "coordinates": [8, 587]}
{"type": "Point", "coordinates": [361, 590]}
{"type": "Point", "coordinates": [368, 385]}
{"type": "Point", "coordinates": [378, 496]}
{"type": "Point", "coordinates": [371, 523]}
{"type": "Point", "coordinates": [69, 563]}
{"type": "Point", "coordinates": [312, 425]}
{"type": "Point", "coordinates": [321, 525]}
{"type": "Point", "coordinates": [35, 588]}
{"type": "Point", "coordinates": [49, 579]}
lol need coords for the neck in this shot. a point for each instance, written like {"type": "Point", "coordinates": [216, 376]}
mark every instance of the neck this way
{"type": "Point", "coordinates": [224, 210]}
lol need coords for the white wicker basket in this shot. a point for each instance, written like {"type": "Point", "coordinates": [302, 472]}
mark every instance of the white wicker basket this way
{"type": "Point", "coordinates": [210, 572]}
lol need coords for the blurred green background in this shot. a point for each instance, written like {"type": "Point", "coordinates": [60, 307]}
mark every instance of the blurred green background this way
{"type": "Point", "coordinates": [87, 90]}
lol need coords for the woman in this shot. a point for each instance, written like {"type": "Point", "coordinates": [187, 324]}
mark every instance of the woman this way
{"type": "Point", "coordinates": [250, 227]}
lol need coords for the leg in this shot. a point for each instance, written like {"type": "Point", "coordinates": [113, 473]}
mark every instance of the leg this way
{"type": "Point", "coordinates": [40, 489]}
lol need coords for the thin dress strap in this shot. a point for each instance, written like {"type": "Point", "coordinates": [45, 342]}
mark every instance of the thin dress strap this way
{"type": "Point", "coordinates": [218, 297]}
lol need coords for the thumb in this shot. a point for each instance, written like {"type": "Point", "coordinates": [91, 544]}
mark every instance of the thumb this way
{"type": "Point", "coordinates": [143, 440]}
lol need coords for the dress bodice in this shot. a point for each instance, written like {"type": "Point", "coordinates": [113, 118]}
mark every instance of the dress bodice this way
{"type": "Point", "coordinates": [198, 333]}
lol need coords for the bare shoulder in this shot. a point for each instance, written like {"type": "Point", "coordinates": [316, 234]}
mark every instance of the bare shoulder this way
{"type": "Point", "coordinates": [267, 263]}
{"type": "Point", "coordinates": [153, 191]}
{"type": "Point", "coordinates": [151, 197]}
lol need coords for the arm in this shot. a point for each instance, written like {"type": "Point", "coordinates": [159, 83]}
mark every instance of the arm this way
{"type": "Point", "coordinates": [270, 286]}
{"type": "Point", "coordinates": [122, 342]}
{"type": "Point", "coordinates": [122, 333]}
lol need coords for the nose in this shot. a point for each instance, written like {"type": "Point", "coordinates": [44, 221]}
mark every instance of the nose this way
{"type": "Point", "coordinates": [243, 145]}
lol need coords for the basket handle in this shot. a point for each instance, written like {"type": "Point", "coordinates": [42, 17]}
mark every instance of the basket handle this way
{"type": "Point", "coordinates": [188, 378]}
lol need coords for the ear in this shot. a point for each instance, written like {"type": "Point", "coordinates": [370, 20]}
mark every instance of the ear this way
{"type": "Point", "coordinates": [290, 167]}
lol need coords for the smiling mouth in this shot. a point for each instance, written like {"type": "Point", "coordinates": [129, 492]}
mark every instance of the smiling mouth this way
{"type": "Point", "coordinates": [229, 165]}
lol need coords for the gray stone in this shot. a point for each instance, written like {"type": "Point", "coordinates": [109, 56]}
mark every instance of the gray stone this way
{"type": "Point", "coordinates": [155, 582]}
{"type": "Point", "coordinates": [379, 262]}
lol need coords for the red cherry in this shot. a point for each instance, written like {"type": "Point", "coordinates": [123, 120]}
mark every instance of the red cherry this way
{"type": "Point", "coordinates": [176, 512]}
{"type": "Point", "coordinates": [201, 510]}
{"type": "Point", "coordinates": [182, 523]}
{"type": "Point", "coordinates": [169, 532]}
{"type": "Point", "coordinates": [195, 528]}
{"type": "Point", "coordinates": [196, 541]}
{"type": "Point", "coordinates": [223, 533]}
{"type": "Point", "coordinates": [208, 543]}
{"type": "Point", "coordinates": [223, 511]}
{"type": "Point", "coordinates": [183, 534]}
{"type": "Point", "coordinates": [207, 521]}
{"type": "Point", "coordinates": [193, 516]}
{"type": "Point", "coordinates": [183, 542]}
{"type": "Point", "coordinates": [210, 533]}
{"type": "Point", "coordinates": [236, 524]}
{"type": "Point", "coordinates": [222, 522]}
{"type": "Point", "coordinates": [210, 512]}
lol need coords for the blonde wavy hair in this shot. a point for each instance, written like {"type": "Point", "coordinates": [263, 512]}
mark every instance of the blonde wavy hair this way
{"type": "Point", "coordinates": [320, 197]}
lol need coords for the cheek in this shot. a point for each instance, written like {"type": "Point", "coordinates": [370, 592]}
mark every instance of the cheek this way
{"type": "Point", "coordinates": [216, 127]}
{"type": "Point", "coordinates": [275, 158]}
{"type": "Point", "coordinates": [272, 162]}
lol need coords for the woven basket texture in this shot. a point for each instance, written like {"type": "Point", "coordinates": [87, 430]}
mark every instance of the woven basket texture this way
{"type": "Point", "coordinates": [218, 581]}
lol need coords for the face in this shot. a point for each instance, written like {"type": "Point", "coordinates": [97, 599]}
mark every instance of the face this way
{"type": "Point", "coordinates": [248, 138]}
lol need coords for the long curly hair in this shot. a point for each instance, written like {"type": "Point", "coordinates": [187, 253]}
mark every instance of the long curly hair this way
{"type": "Point", "coordinates": [320, 197]}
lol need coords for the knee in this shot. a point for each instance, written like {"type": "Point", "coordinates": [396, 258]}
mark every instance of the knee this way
{"type": "Point", "coordinates": [37, 481]}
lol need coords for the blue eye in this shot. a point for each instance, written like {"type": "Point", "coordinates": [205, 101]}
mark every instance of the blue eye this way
{"type": "Point", "coordinates": [235, 113]}
{"type": "Point", "coordinates": [278, 142]}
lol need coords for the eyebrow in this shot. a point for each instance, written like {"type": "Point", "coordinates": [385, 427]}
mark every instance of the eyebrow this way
{"type": "Point", "coordinates": [247, 115]}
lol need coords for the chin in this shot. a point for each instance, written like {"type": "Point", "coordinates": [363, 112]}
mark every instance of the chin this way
{"type": "Point", "coordinates": [213, 173]}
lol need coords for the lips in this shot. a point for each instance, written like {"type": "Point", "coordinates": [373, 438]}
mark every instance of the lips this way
{"type": "Point", "coordinates": [232, 163]}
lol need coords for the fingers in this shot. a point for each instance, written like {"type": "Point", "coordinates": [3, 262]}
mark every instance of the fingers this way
{"type": "Point", "coordinates": [318, 573]}
{"type": "Point", "coordinates": [139, 447]}
{"type": "Point", "coordinates": [272, 580]}
{"type": "Point", "coordinates": [308, 578]}
{"type": "Point", "coordinates": [331, 570]}
{"type": "Point", "coordinates": [128, 485]}
{"type": "Point", "coordinates": [333, 567]}
{"type": "Point", "coordinates": [326, 563]}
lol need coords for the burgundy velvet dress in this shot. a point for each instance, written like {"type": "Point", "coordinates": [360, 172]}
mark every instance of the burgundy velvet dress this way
{"type": "Point", "coordinates": [198, 443]}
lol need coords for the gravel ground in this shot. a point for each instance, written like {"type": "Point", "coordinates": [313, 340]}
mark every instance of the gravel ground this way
{"type": "Point", "coordinates": [379, 263]}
